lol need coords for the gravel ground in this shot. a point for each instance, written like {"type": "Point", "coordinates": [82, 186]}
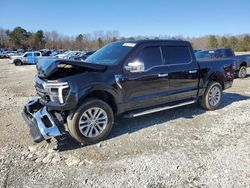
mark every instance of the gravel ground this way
{"type": "Point", "coordinates": [184, 147]}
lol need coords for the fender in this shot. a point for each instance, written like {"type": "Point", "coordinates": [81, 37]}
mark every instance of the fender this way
{"type": "Point", "coordinates": [218, 76]}
{"type": "Point", "coordinates": [97, 87]}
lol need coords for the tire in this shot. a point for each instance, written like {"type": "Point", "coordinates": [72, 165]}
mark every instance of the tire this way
{"type": "Point", "coordinates": [212, 97]}
{"type": "Point", "coordinates": [18, 62]}
{"type": "Point", "coordinates": [242, 73]}
{"type": "Point", "coordinates": [83, 114]}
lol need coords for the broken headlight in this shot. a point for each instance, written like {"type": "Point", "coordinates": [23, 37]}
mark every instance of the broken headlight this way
{"type": "Point", "coordinates": [57, 91]}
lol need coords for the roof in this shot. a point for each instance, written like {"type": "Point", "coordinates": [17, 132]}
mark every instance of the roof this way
{"type": "Point", "coordinates": [214, 49]}
{"type": "Point", "coordinates": [156, 41]}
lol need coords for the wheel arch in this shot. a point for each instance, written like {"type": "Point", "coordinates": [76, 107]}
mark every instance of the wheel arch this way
{"type": "Point", "coordinates": [216, 77]}
{"type": "Point", "coordinates": [243, 63]}
{"type": "Point", "coordinates": [101, 94]}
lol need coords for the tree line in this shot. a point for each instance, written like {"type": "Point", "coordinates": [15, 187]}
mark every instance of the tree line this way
{"type": "Point", "coordinates": [21, 38]}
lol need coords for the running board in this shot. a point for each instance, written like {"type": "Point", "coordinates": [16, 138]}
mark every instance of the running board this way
{"type": "Point", "coordinates": [158, 109]}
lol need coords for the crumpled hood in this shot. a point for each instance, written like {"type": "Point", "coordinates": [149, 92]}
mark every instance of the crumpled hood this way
{"type": "Point", "coordinates": [47, 66]}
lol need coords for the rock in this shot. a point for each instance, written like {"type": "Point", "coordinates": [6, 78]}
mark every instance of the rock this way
{"type": "Point", "coordinates": [86, 181]}
{"type": "Point", "coordinates": [41, 153]}
{"type": "Point", "coordinates": [56, 159]}
{"type": "Point", "coordinates": [48, 158]}
{"type": "Point", "coordinates": [99, 145]}
{"type": "Point", "coordinates": [39, 160]}
{"type": "Point", "coordinates": [72, 161]}
{"type": "Point", "coordinates": [51, 151]}
{"type": "Point", "coordinates": [32, 148]}
{"type": "Point", "coordinates": [33, 158]}
{"type": "Point", "coordinates": [25, 152]}
{"type": "Point", "coordinates": [81, 163]}
{"type": "Point", "coordinates": [30, 156]}
{"type": "Point", "coordinates": [87, 161]}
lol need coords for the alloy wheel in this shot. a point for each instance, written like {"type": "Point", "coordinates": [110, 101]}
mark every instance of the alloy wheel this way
{"type": "Point", "coordinates": [214, 96]}
{"type": "Point", "coordinates": [93, 122]}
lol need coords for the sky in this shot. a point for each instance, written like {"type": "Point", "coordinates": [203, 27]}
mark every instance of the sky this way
{"type": "Point", "coordinates": [191, 18]}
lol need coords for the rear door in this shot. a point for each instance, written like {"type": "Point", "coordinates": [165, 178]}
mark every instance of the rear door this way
{"type": "Point", "coordinates": [183, 72]}
{"type": "Point", "coordinates": [37, 56]}
{"type": "Point", "coordinates": [147, 88]}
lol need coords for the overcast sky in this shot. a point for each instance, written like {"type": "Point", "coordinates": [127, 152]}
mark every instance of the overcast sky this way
{"type": "Point", "coordinates": [129, 17]}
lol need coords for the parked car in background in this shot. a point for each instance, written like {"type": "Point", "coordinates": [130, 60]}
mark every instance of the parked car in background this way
{"type": "Point", "coordinates": [63, 55]}
{"type": "Point", "coordinates": [72, 54]}
{"type": "Point", "coordinates": [2, 54]}
{"type": "Point", "coordinates": [10, 53]}
{"type": "Point", "coordinates": [130, 78]}
{"type": "Point", "coordinates": [54, 53]}
{"type": "Point", "coordinates": [84, 56]}
{"type": "Point", "coordinates": [26, 58]}
{"type": "Point", "coordinates": [45, 52]}
{"type": "Point", "coordinates": [75, 55]}
{"type": "Point", "coordinates": [241, 62]}
{"type": "Point", "coordinates": [20, 51]}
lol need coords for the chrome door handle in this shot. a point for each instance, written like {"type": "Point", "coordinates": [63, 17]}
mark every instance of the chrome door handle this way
{"type": "Point", "coordinates": [162, 75]}
{"type": "Point", "coordinates": [192, 71]}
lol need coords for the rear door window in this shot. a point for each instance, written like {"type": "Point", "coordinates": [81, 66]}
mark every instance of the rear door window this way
{"type": "Point", "coordinates": [174, 55]}
{"type": "Point", "coordinates": [218, 54]}
{"type": "Point", "coordinates": [228, 53]}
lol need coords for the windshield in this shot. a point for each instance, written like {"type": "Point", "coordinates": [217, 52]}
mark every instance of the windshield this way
{"type": "Point", "coordinates": [110, 54]}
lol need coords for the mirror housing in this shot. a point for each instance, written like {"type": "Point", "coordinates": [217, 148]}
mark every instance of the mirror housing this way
{"type": "Point", "coordinates": [135, 67]}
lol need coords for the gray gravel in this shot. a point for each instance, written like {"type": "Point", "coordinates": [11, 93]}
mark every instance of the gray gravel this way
{"type": "Point", "coordinates": [184, 147]}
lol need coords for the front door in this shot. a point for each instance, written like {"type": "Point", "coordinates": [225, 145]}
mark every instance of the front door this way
{"type": "Point", "coordinates": [147, 88]}
{"type": "Point", "coordinates": [28, 58]}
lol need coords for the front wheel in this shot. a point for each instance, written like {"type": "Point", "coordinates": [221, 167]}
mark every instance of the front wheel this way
{"type": "Point", "coordinates": [92, 121]}
{"type": "Point", "coordinates": [212, 97]}
{"type": "Point", "coordinates": [18, 62]}
{"type": "Point", "coordinates": [242, 73]}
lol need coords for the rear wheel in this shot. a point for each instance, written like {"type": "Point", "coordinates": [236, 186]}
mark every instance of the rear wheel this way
{"type": "Point", "coordinates": [242, 73]}
{"type": "Point", "coordinates": [212, 97]}
{"type": "Point", "coordinates": [92, 121]}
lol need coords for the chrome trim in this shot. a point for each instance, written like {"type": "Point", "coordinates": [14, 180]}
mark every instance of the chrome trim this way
{"type": "Point", "coordinates": [47, 132]}
{"type": "Point", "coordinates": [162, 108]}
{"type": "Point", "coordinates": [192, 71]}
{"type": "Point", "coordinates": [47, 86]}
{"type": "Point", "coordinates": [163, 75]}
{"type": "Point", "coordinates": [117, 80]}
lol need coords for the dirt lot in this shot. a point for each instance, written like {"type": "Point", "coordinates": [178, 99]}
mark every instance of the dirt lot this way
{"type": "Point", "coordinates": [184, 147]}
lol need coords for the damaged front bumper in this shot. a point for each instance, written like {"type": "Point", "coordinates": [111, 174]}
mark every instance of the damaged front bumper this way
{"type": "Point", "coordinates": [41, 123]}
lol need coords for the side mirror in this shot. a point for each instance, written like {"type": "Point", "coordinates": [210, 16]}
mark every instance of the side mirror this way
{"type": "Point", "coordinates": [135, 67]}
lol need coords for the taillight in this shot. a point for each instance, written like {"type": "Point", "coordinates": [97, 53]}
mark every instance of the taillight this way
{"type": "Point", "coordinates": [228, 68]}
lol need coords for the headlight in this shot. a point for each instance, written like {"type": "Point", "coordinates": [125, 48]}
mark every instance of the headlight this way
{"type": "Point", "coordinates": [57, 91]}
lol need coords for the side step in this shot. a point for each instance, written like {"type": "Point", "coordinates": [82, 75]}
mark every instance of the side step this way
{"type": "Point", "coordinates": [158, 109]}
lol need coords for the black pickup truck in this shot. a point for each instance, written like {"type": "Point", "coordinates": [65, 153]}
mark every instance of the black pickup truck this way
{"type": "Point", "coordinates": [131, 78]}
{"type": "Point", "coordinates": [241, 62]}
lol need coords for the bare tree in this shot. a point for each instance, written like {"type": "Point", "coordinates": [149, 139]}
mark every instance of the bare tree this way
{"type": "Point", "coordinates": [4, 39]}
